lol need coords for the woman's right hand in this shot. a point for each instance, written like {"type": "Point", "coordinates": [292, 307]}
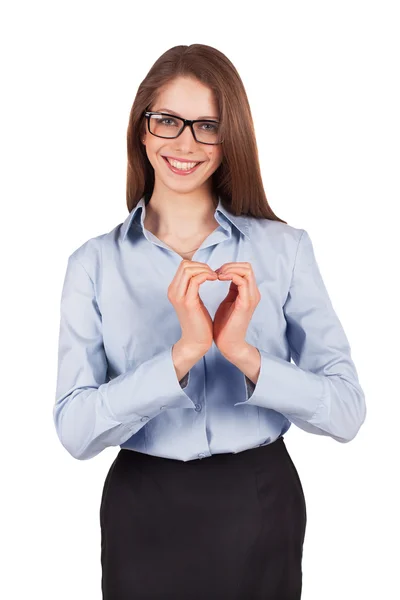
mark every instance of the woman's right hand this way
{"type": "Point", "coordinates": [194, 318]}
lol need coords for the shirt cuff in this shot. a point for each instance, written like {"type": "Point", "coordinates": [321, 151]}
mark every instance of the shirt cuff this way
{"type": "Point", "coordinates": [284, 387]}
{"type": "Point", "coordinates": [141, 393]}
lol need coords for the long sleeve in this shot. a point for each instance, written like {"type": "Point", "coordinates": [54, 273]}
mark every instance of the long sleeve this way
{"type": "Point", "coordinates": [91, 413]}
{"type": "Point", "coordinates": [320, 393]}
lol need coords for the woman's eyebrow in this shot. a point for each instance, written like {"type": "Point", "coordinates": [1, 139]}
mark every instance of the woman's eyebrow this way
{"type": "Point", "coordinates": [172, 112]}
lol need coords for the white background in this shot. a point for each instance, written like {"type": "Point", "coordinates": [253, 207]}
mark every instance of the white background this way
{"type": "Point", "coordinates": [323, 84]}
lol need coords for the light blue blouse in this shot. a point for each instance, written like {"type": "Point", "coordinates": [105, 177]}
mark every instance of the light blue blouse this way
{"type": "Point", "coordinates": [116, 381]}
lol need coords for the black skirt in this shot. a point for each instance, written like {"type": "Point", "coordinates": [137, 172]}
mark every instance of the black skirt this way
{"type": "Point", "coordinates": [226, 527]}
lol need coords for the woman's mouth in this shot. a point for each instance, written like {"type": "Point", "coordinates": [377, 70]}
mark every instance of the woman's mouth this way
{"type": "Point", "coordinates": [180, 168]}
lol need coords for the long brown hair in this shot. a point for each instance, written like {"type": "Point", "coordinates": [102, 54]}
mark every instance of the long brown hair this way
{"type": "Point", "coordinates": [238, 179]}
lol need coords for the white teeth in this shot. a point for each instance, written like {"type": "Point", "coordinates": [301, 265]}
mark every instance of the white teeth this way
{"type": "Point", "coordinates": [179, 165]}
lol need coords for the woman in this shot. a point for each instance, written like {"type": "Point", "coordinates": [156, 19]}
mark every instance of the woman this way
{"type": "Point", "coordinates": [177, 330]}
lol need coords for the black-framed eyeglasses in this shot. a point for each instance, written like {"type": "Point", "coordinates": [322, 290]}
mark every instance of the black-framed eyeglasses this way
{"type": "Point", "coordinates": [164, 125]}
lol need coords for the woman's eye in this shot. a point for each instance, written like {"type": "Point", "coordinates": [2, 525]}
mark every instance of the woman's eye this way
{"type": "Point", "coordinates": [210, 127]}
{"type": "Point", "coordinates": [166, 119]}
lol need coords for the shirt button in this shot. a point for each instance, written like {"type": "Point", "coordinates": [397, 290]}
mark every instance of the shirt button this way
{"type": "Point", "coordinates": [198, 407]}
{"type": "Point", "coordinates": [144, 418]}
{"type": "Point", "coordinates": [201, 455]}
{"type": "Point", "coordinates": [161, 407]}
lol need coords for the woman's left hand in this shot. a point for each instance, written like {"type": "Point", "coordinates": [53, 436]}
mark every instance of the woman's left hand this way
{"type": "Point", "coordinates": [234, 314]}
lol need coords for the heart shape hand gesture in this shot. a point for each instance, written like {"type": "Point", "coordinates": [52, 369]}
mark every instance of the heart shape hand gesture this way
{"type": "Point", "coordinates": [233, 315]}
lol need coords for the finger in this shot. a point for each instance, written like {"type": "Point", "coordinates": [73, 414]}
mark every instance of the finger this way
{"type": "Point", "coordinates": [232, 264]}
{"type": "Point", "coordinates": [186, 263]}
{"type": "Point", "coordinates": [189, 273]}
{"type": "Point", "coordinates": [194, 284]}
{"type": "Point", "coordinates": [188, 267]}
{"type": "Point", "coordinates": [239, 265]}
{"type": "Point", "coordinates": [247, 274]}
{"type": "Point", "coordinates": [240, 269]}
{"type": "Point", "coordinates": [240, 292]}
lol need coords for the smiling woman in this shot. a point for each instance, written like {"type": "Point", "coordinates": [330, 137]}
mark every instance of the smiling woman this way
{"type": "Point", "coordinates": [184, 153]}
{"type": "Point", "coordinates": [177, 332]}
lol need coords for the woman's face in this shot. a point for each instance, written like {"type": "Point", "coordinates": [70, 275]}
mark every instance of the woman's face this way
{"type": "Point", "coordinates": [190, 99]}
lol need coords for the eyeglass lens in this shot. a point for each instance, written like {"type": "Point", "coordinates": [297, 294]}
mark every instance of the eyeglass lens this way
{"type": "Point", "coordinates": [170, 127]}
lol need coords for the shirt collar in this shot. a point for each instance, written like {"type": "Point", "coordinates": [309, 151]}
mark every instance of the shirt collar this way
{"type": "Point", "coordinates": [240, 221]}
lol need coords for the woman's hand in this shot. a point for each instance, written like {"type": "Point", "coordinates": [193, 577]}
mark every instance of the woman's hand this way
{"type": "Point", "coordinates": [234, 314]}
{"type": "Point", "coordinates": [194, 318]}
